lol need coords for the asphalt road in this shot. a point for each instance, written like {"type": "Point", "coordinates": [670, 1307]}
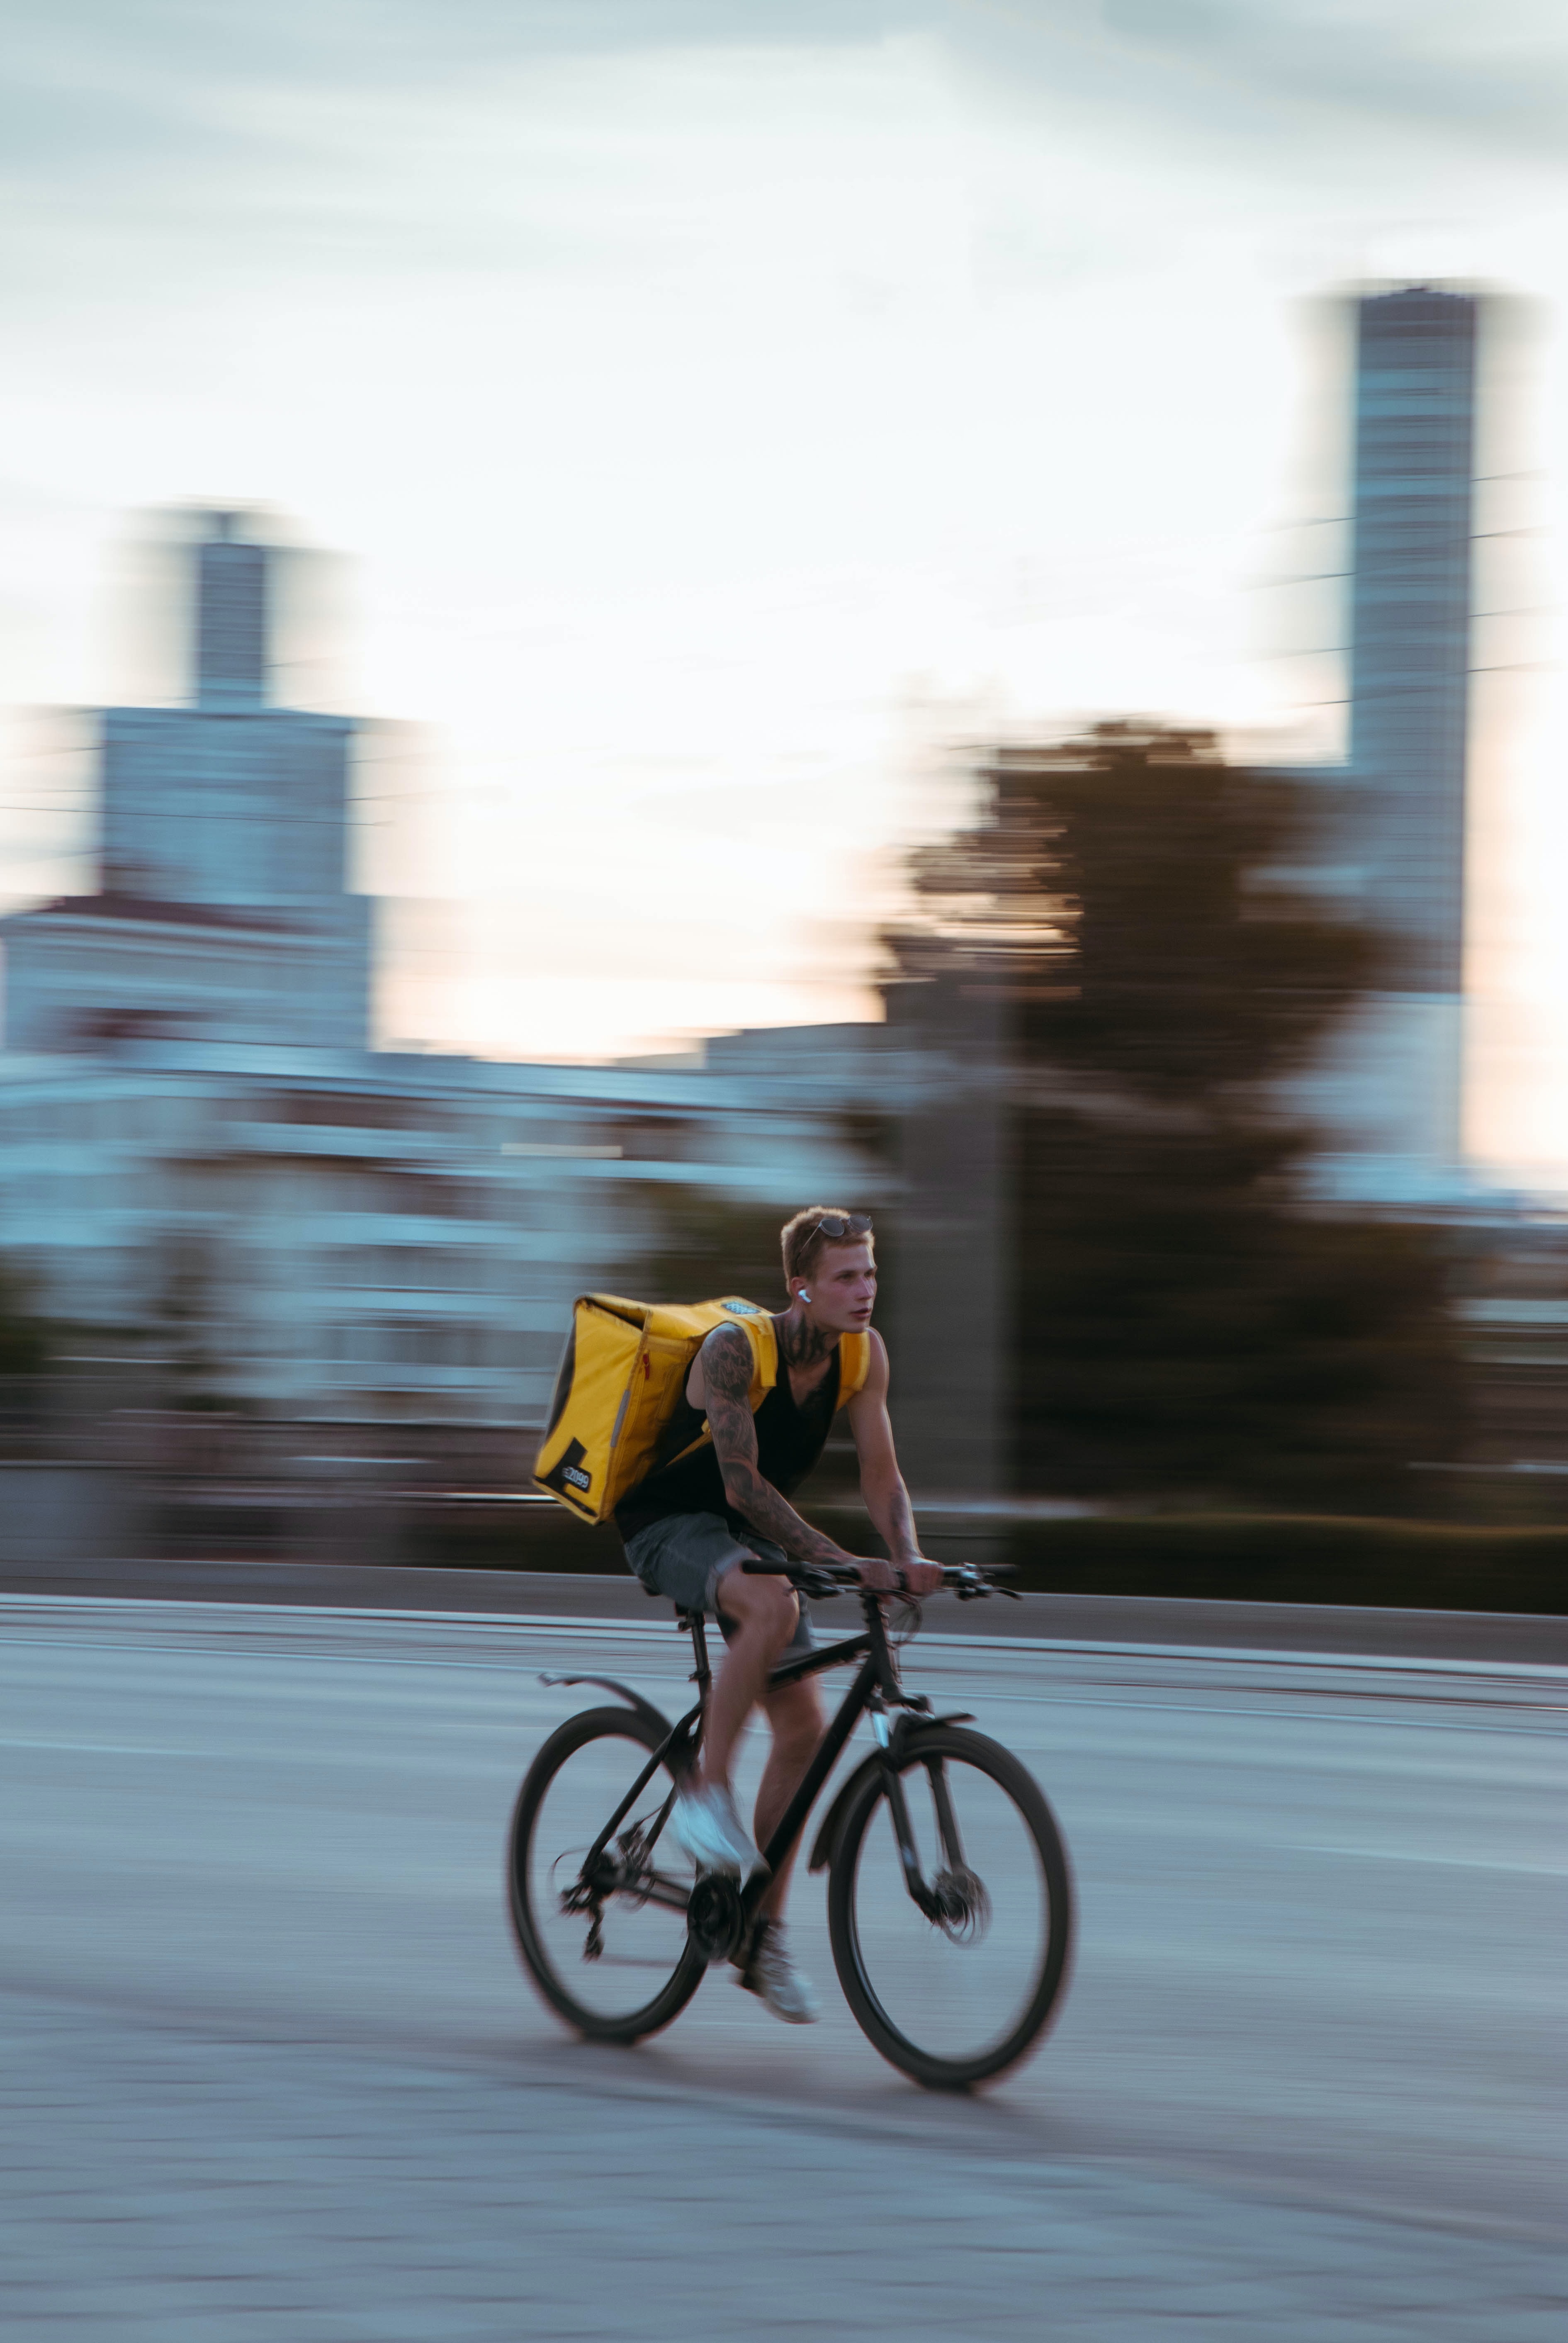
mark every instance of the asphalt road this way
{"type": "Point", "coordinates": [271, 2070]}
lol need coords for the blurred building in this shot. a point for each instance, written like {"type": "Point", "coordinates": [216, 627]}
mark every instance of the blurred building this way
{"type": "Point", "coordinates": [223, 912]}
{"type": "Point", "coordinates": [1393, 833]}
{"type": "Point", "coordinates": [1411, 621]}
{"type": "Point", "coordinates": [205, 1168]}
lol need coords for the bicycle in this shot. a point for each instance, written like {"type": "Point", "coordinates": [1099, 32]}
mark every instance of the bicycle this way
{"type": "Point", "coordinates": [950, 1905]}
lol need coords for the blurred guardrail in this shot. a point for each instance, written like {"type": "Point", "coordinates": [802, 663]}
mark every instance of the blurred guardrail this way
{"type": "Point", "coordinates": [133, 1485]}
{"type": "Point", "coordinates": [175, 1495]}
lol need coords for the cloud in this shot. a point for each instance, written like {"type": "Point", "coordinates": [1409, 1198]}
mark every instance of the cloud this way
{"type": "Point", "coordinates": [101, 102]}
{"type": "Point", "coordinates": [180, 100]}
{"type": "Point", "coordinates": [1456, 68]}
{"type": "Point", "coordinates": [366, 44]}
{"type": "Point", "coordinates": [1248, 69]}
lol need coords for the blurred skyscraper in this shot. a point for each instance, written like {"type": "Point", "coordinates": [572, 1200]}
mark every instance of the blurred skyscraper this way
{"type": "Point", "coordinates": [1410, 639]}
{"type": "Point", "coordinates": [222, 911]}
{"type": "Point", "coordinates": [1391, 1095]}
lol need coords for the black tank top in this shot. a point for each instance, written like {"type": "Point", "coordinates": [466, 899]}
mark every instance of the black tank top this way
{"type": "Point", "coordinates": [789, 1438]}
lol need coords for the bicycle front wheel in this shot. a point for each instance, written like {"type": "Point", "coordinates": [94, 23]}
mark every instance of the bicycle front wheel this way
{"type": "Point", "coordinates": [603, 1935]}
{"type": "Point", "coordinates": [958, 1998]}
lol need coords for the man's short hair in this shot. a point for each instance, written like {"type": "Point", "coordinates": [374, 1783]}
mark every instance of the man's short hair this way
{"type": "Point", "coordinates": [804, 1238]}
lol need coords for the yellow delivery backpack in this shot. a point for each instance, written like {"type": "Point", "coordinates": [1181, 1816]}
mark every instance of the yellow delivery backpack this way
{"type": "Point", "coordinates": [622, 1378]}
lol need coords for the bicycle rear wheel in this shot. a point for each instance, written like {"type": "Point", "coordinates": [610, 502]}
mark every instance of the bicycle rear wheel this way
{"type": "Point", "coordinates": [606, 1942]}
{"type": "Point", "coordinates": [955, 2000]}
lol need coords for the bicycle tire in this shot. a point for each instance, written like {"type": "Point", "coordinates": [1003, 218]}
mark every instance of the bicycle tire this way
{"type": "Point", "coordinates": [533, 1937]}
{"type": "Point", "coordinates": [933, 2070]}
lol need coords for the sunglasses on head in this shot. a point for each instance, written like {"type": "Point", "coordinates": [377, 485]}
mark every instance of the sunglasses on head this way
{"type": "Point", "coordinates": [842, 1224]}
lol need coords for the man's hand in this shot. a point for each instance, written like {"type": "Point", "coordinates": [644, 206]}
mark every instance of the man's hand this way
{"type": "Point", "coordinates": [914, 1577]}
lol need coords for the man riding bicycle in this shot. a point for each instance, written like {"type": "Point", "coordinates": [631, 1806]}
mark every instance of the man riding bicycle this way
{"type": "Point", "coordinates": [688, 1528]}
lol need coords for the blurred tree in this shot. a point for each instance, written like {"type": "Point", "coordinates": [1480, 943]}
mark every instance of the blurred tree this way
{"type": "Point", "coordinates": [27, 1388]}
{"type": "Point", "coordinates": [698, 1247]}
{"type": "Point", "coordinates": [24, 1336]}
{"type": "Point", "coordinates": [1185, 1319]}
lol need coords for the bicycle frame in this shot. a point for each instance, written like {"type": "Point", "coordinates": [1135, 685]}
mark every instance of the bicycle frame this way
{"type": "Point", "coordinates": [875, 1688]}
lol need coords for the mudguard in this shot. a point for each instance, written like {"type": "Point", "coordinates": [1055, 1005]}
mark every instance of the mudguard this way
{"type": "Point", "coordinates": [907, 1730]}
{"type": "Point", "coordinates": [645, 1708]}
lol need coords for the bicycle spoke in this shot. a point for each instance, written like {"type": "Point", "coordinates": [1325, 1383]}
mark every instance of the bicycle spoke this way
{"type": "Point", "coordinates": [957, 1985]}
{"type": "Point", "coordinates": [954, 1995]}
{"type": "Point", "coordinates": [604, 1934]}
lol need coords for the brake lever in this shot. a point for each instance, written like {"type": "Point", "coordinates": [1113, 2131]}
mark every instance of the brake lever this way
{"type": "Point", "coordinates": [971, 1589]}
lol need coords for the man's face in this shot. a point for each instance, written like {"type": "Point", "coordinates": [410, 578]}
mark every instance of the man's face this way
{"type": "Point", "coordinates": [843, 1286]}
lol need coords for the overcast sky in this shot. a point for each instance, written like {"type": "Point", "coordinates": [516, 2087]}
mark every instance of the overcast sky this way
{"type": "Point", "coordinates": [728, 410]}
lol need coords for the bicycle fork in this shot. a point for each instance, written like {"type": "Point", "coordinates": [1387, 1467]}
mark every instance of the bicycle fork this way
{"type": "Point", "coordinates": [956, 1900]}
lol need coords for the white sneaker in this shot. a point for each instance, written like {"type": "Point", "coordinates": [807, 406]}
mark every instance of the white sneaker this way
{"type": "Point", "coordinates": [707, 1828]}
{"type": "Point", "coordinates": [776, 1981]}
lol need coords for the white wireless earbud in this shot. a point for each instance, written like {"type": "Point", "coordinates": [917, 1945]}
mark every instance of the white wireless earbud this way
{"type": "Point", "coordinates": [802, 1295]}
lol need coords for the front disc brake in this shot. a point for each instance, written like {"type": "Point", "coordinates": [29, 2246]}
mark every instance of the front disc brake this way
{"type": "Point", "coordinates": [963, 1906]}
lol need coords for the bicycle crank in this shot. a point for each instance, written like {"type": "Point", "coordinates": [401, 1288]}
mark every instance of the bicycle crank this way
{"type": "Point", "coordinates": [714, 1918]}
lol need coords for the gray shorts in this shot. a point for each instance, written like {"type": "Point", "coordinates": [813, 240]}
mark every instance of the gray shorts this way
{"type": "Point", "coordinates": [685, 1557]}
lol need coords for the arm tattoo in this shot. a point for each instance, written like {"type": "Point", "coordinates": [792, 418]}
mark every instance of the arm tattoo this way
{"type": "Point", "coordinates": [727, 1376]}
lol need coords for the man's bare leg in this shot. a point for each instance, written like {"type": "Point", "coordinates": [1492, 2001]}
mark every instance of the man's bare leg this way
{"type": "Point", "coordinates": [795, 1714]}
{"type": "Point", "coordinates": [764, 1612]}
